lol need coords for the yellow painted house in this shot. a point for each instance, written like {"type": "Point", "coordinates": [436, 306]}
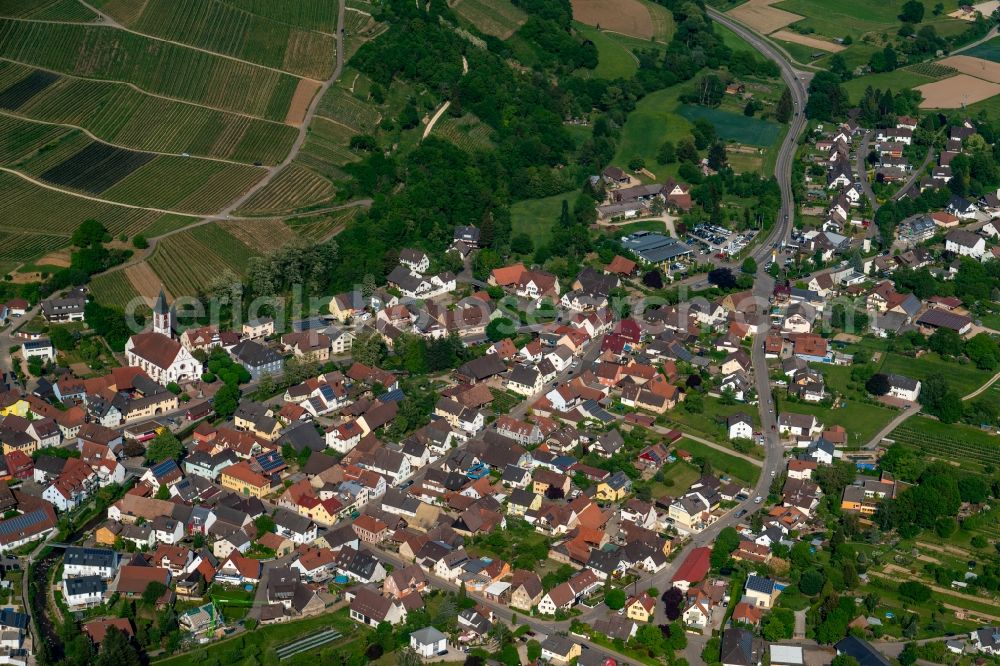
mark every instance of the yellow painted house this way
{"type": "Point", "coordinates": [640, 608]}
{"type": "Point", "coordinates": [18, 408]}
{"type": "Point", "coordinates": [614, 488]}
{"type": "Point", "coordinates": [241, 479]}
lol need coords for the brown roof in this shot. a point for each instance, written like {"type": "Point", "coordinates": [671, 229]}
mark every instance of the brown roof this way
{"type": "Point", "coordinates": [508, 274]}
{"type": "Point", "coordinates": [242, 472]}
{"type": "Point", "coordinates": [98, 629]}
{"type": "Point", "coordinates": [620, 265]}
{"type": "Point", "coordinates": [134, 579]}
{"type": "Point", "coordinates": [156, 348]}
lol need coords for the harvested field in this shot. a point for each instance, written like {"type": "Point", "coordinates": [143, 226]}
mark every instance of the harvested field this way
{"type": "Point", "coordinates": [977, 67]}
{"type": "Point", "coordinates": [629, 17]}
{"type": "Point", "coordinates": [304, 93]}
{"type": "Point", "coordinates": [145, 282]}
{"type": "Point", "coordinates": [812, 42]}
{"type": "Point", "coordinates": [955, 91]}
{"type": "Point", "coordinates": [762, 17]}
{"type": "Point", "coordinates": [58, 258]}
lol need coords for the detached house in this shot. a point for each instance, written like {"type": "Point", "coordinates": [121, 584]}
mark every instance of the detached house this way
{"type": "Point", "coordinates": [965, 243]}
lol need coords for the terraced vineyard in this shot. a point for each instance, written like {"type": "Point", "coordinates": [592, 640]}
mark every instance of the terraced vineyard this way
{"type": "Point", "coordinates": [113, 289]}
{"type": "Point", "coordinates": [494, 17]}
{"type": "Point", "coordinates": [117, 113]}
{"type": "Point", "coordinates": [47, 10]}
{"type": "Point", "coordinates": [222, 28]}
{"type": "Point", "coordinates": [342, 107]}
{"type": "Point", "coordinates": [262, 236]}
{"type": "Point", "coordinates": [230, 250]}
{"type": "Point", "coordinates": [193, 186]}
{"type": "Point", "coordinates": [55, 215]}
{"type": "Point", "coordinates": [467, 132]}
{"type": "Point", "coordinates": [172, 263]}
{"type": "Point", "coordinates": [971, 447]}
{"type": "Point", "coordinates": [322, 227]}
{"type": "Point", "coordinates": [318, 15]}
{"type": "Point", "coordinates": [327, 147]}
{"type": "Point", "coordinates": [160, 67]}
{"type": "Point", "coordinates": [295, 187]}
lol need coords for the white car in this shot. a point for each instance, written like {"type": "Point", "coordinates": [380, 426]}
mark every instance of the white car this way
{"type": "Point", "coordinates": [758, 499]}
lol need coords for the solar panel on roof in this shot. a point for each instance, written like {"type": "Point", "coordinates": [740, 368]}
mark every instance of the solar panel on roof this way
{"type": "Point", "coordinates": [22, 522]}
{"type": "Point", "coordinates": [326, 391]}
{"type": "Point", "coordinates": [270, 461]}
{"type": "Point", "coordinates": [161, 468]}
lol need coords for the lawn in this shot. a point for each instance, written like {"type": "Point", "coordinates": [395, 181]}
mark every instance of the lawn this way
{"type": "Point", "coordinates": [681, 474]}
{"type": "Point", "coordinates": [963, 377]}
{"type": "Point", "coordinates": [857, 17]}
{"type": "Point", "coordinates": [897, 80]}
{"type": "Point", "coordinates": [536, 217]}
{"type": "Point", "coordinates": [261, 639]}
{"type": "Point", "coordinates": [711, 422]}
{"type": "Point", "coordinates": [653, 121]}
{"type": "Point", "coordinates": [861, 420]}
{"type": "Point", "coordinates": [721, 462]}
{"type": "Point", "coordinates": [614, 60]}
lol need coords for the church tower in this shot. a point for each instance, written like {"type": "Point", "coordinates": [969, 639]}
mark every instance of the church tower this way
{"type": "Point", "coordinates": [162, 316]}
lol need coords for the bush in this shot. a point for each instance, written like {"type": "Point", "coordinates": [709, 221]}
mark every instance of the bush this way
{"type": "Point", "coordinates": [140, 242]}
{"type": "Point", "coordinates": [615, 599]}
{"type": "Point", "coordinates": [914, 591]}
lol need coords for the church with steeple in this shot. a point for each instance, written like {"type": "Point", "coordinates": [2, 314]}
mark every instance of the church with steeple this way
{"type": "Point", "coordinates": [163, 358]}
{"type": "Point", "coordinates": [163, 316]}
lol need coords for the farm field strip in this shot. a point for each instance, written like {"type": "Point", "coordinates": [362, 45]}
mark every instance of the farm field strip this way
{"type": "Point", "coordinates": [227, 30]}
{"type": "Point", "coordinates": [629, 17]}
{"type": "Point", "coordinates": [102, 52]}
{"type": "Point", "coordinates": [295, 187]}
{"type": "Point", "coordinates": [70, 160]}
{"type": "Point", "coordinates": [751, 131]}
{"type": "Point", "coordinates": [327, 146]}
{"type": "Point", "coordinates": [17, 94]}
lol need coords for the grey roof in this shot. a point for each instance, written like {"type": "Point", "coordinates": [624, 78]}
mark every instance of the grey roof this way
{"type": "Point", "coordinates": [427, 636]}
{"type": "Point", "coordinates": [760, 584]}
{"type": "Point", "coordinates": [740, 648]}
{"type": "Point", "coordinates": [862, 651]}
{"type": "Point", "coordinates": [292, 522]}
{"type": "Point", "coordinates": [90, 557]}
{"type": "Point", "coordinates": [255, 354]}
{"type": "Point", "coordinates": [654, 247]}
{"type": "Point", "coordinates": [902, 382]}
{"type": "Point", "coordinates": [303, 436]}
{"type": "Point", "coordinates": [522, 374]}
{"type": "Point", "coordinates": [86, 585]}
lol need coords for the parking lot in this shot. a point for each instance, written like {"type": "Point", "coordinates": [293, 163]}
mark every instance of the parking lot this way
{"type": "Point", "coordinates": [719, 241]}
